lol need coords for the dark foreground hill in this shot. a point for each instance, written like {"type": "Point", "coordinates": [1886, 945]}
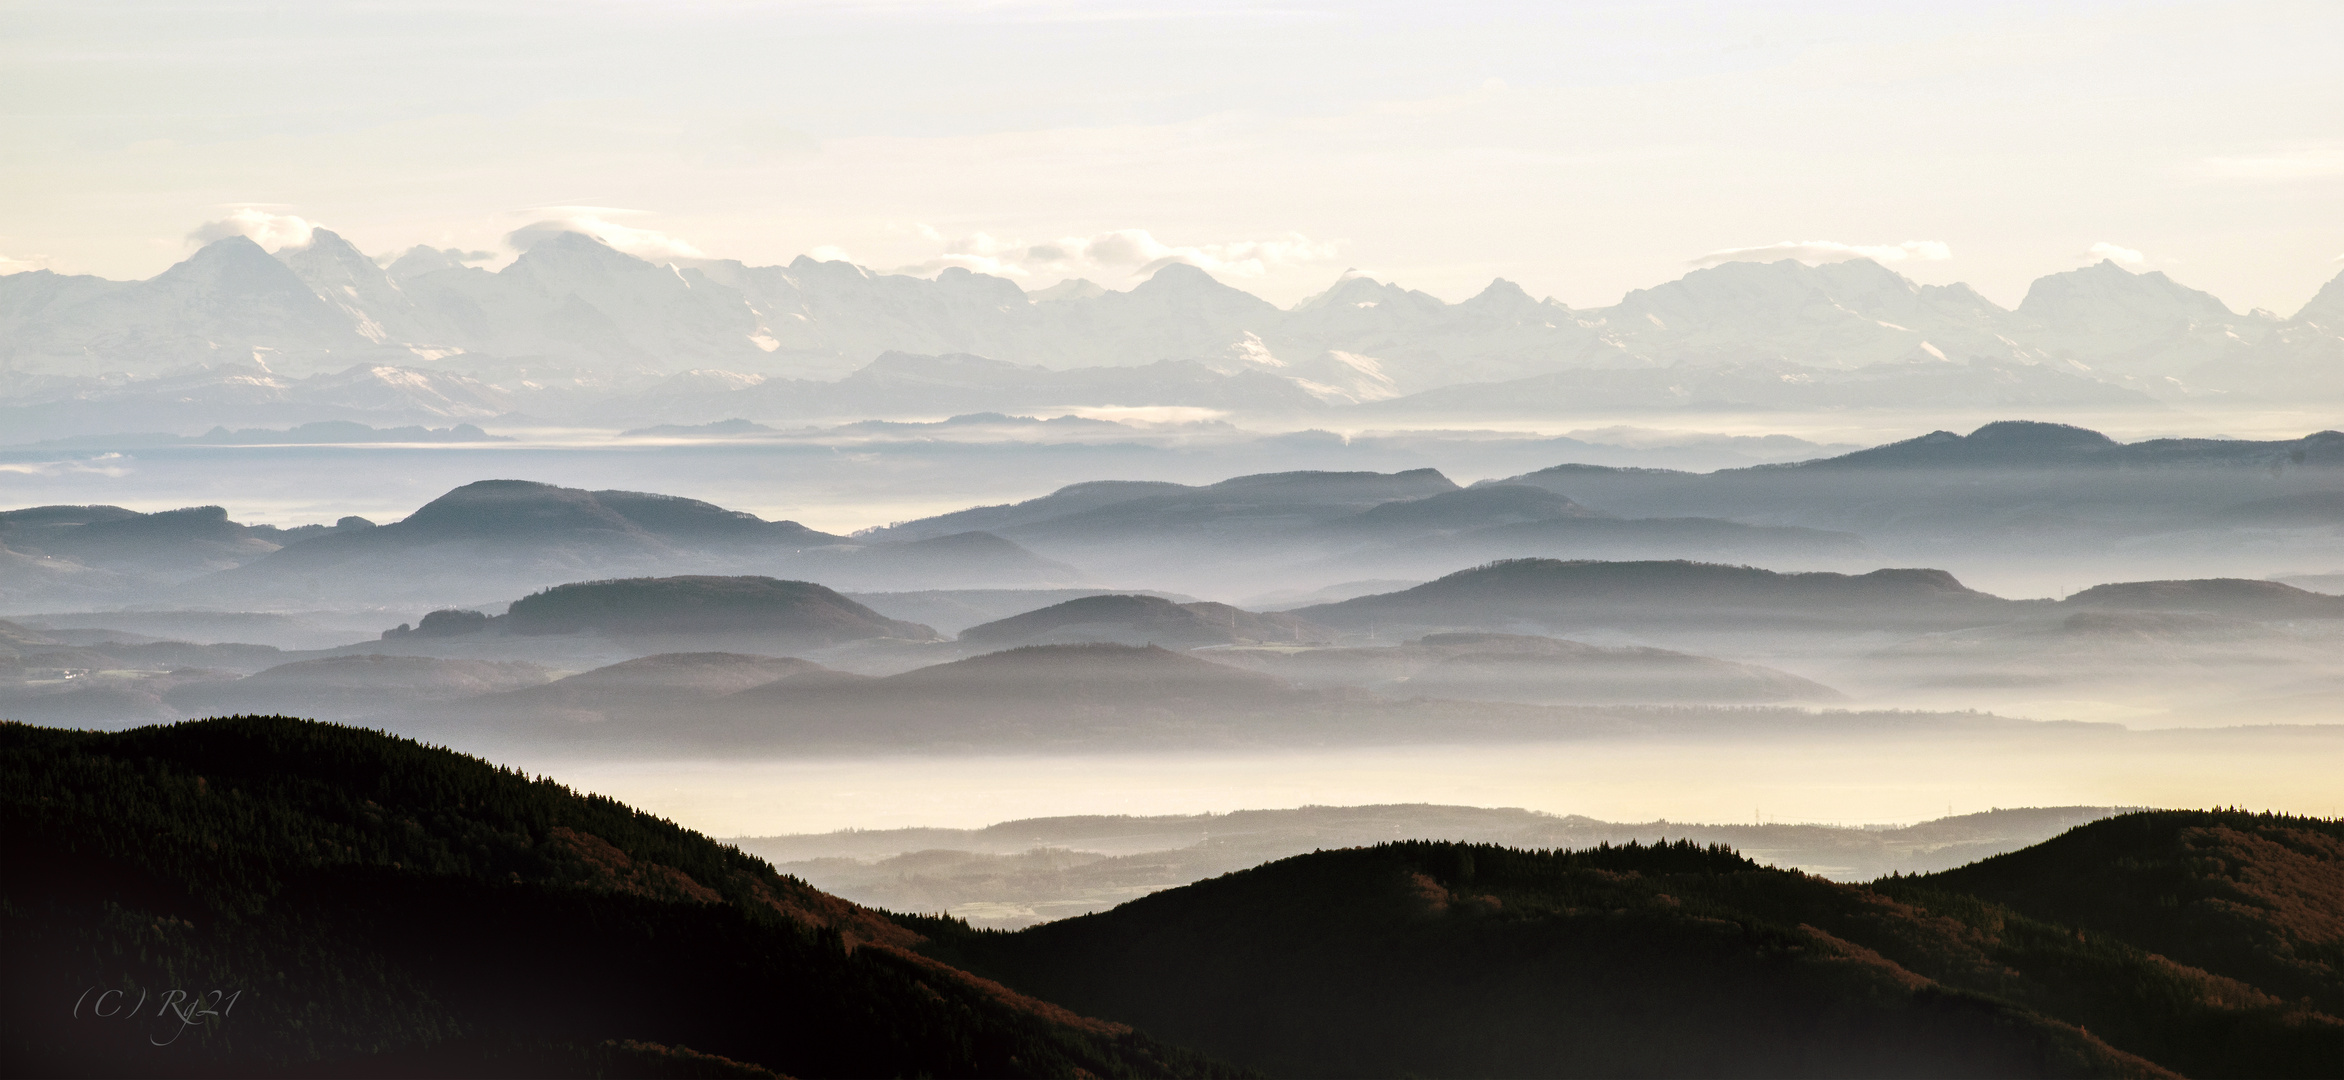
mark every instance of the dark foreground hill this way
{"type": "Point", "coordinates": [1441, 959]}
{"type": "Point", "coordinates": [2255, 897]}
{"type": "Point", "coordinates": [279, 897]}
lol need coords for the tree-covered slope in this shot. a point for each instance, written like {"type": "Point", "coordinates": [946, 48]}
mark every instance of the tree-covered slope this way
{"type": "Point", "coordinates": [1438, 959]}
{"type": "Point", "coordinates": [2257, 897]}
{"type": "Point", "coordinates": [365, 904]}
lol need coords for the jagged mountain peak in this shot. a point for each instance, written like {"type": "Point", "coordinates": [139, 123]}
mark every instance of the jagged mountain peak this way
{"type": "Point", "coordinates": [1183, 279]}
{"type": "Point", "coordinates": [1502, 295]}
{"type": "Point", "coordinates": [577, 250]}
{"type": "Point", "coordinates": [232, 262]}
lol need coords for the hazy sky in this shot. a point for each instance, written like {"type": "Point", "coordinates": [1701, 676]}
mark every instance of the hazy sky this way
{"type": "Point", "coordinates": [1579, 148]}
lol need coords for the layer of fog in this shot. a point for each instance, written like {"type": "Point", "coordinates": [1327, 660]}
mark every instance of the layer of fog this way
{"type": "Point", "coordinates": [1848, 783]}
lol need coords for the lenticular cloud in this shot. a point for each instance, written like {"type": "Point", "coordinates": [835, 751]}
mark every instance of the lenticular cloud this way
{"type": "Point", "coordinates": [1823, 251]}
{"type": "Point", "coordinates": [1134, 252]}
{"type": "Point", "coordinates": [269, 230]}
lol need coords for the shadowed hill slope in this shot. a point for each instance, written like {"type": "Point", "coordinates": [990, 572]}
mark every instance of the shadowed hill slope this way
{"type": "Point", "coordinates": [2235, 597]}
{"type": "Point", "coordinates": [1038, 694]}
{"type": "Point", "coordinates": [1444, 959]}
{"type": "Point", "coordinates": [1143, 620]}
{"type": "Point", "coordinates": [1253, 506]}
{"type": "Point", "coordinates": [522, 515]}
{"type": "Point", "coordinates": [343, 686]}
{"type": "Point", "coordinates": [793, 611]}
{"type": "Point", "coordinates": [386, 908]}
{"type": "Point", "coordinates": [2257, 897]}
{"type": "Point", "coordinates": [1560, 593]}
{"type": "Point", "coordinates": [635, 691]}
{"type": "Point", "coordinates": [1525, 668]}
{"type": "Point", "coordinates": [501, 537]}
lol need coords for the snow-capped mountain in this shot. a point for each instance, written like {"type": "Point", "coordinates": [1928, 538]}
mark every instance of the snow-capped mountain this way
{"type": "Point", "coordinates": [575, 328]}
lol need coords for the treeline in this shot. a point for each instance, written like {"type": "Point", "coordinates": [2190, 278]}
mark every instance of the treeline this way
{"type": "Point", "coordinates": [1674, 959]}
{"type": "Point", "coordinates": [380, 907]}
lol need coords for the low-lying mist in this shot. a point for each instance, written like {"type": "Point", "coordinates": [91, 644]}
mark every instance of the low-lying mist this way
{"type": "Point", "coordinates": [1724, 780]}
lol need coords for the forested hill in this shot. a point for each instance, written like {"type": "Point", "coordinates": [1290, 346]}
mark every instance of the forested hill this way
{"type": "Point", "coordinates": [2257, 897]}
{"type": "Point", "coordinates": [1439, 959]}
{"type": "Point", "coordinates": [365, 905]}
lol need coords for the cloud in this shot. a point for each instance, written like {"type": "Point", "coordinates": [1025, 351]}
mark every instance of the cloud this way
{"type": "Point", "coordinates": [2113, 253]}
{"type": "Point", "coordinates": [101, 465]}
{"type": "Point", "coordinates": [17, 266]}
{"type": "Point", "coordinates": [266, 229]}
{"type": "Point", "coordinates": [595, 221]}
{"type": "Point", "coordinates": [1823, 251]}
{"type": "Point", "coordinates": [1122, 252]}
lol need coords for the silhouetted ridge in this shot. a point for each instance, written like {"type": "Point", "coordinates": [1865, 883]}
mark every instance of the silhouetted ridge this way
{"type": "Point", "coordinates": [2257, 897]}
{"type": "Point", "coordinates": [1138, 620]}
{"type": "Point", "coordinates": [391, 909]}
{"type": "Point", "coordinates": [1676, 959]}
{"type": "Point", "coordinates": [528, 516]}
{"type": "Point", "coordinates": [2222, 596]}
{"type": "Point", "coordinates": [799, 610]}
{"type": "Point", "coordinates": [2030, 444]}
{"type": "Point", "coordinates": [1559, 589]}
{"type": "Point", "coordinates": [2002, 444]}
{"type": "Point", "coordinates": [1493, 504]}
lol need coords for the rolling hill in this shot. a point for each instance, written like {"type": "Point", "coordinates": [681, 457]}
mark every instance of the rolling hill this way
{"type": "Point", "coordinates": [1448, 959]}
{"type": "Point", "coordinates": [339, 687]}
{"type": "Point", "coordinates": [1142, 620]}
{"type": "Point", "coordinates": [2255, 897]}
{"type": "Point", "coordinates": [1559, 595]}
{"type": "Point", "coordinates": [788, 612]}
{"type": "Point", "coordinates": [2216, 596]}
{"type": "Point", "coordinates": [345, 902]}
{"type": "Point", "coordinates": [1531, 669]}
{"type": "Point", "coordinates": [336, 901]}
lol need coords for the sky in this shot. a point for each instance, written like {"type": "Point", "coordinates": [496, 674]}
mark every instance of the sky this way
{"type": "Point", "coordinates": [1579, 149]}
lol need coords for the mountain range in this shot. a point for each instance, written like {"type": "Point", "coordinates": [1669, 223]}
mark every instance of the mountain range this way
{"type": "Point", "coordinates": [576, 329]}
{"type": "Point", "coordinates": [2030, 489]}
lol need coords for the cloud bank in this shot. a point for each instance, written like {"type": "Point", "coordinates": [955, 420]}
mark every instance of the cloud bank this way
{"type": "Point", "coordinates": [1824, 251]}
{"type": "Point", "coordinates": [2113, 253]}
{"type": "Point", "coordinates": [1120, 253]}
{"type": "Point", "coordinates": [272, 231]}
{"type": "Point", "coordinates": [595, 221]}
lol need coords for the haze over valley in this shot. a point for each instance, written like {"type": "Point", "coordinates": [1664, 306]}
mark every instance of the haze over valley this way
{"type": "Point", "coordinates": [1238, 540]}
